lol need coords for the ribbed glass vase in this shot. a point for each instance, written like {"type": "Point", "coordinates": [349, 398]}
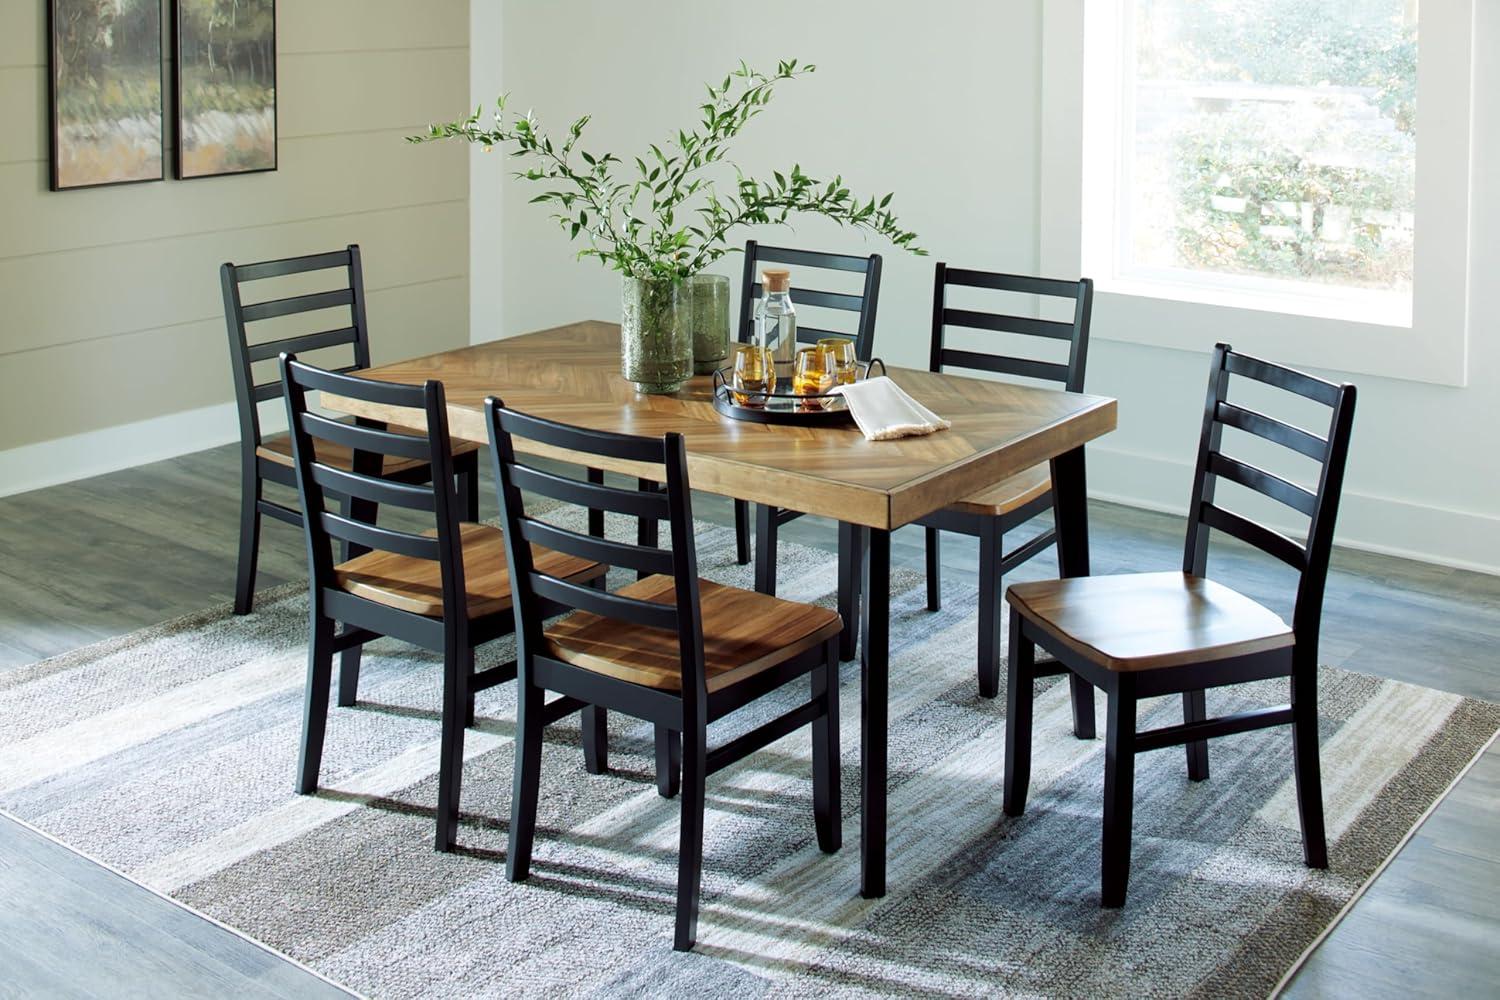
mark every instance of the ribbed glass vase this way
{"type": "Point", "coordinates": [710, 295]}
{"type": "Point", "coordinates": [656, 334]}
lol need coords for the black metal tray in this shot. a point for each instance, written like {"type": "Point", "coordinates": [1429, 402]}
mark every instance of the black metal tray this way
{"type": "Point", "coordinates": [786, 407]}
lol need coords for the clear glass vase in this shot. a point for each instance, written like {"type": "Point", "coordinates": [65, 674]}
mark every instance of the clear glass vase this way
{"type": "Point", "coordinates": [710, 295]}
{"type": "Point", "coordinates": [656, 334]}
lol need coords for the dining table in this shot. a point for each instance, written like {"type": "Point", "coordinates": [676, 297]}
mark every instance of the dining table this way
{"type": "Point", "coordinates": [571, 374]}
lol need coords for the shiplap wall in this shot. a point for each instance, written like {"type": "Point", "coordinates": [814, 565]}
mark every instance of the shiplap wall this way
{"type": "Point", "coordinates": [109, 298]}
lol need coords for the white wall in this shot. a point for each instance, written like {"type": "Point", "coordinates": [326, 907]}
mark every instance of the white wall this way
{"type": "Point", "coordinates": [112, 340]}
{"type": "Point", "coordinates": [940, 103]}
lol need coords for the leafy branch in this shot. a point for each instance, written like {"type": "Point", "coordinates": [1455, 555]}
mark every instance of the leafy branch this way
{"type": "Point", "coordinates": [666, 219]}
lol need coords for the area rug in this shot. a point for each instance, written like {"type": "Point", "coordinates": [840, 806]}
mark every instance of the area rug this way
{"type": "Point", "coordinates": [169, 755]}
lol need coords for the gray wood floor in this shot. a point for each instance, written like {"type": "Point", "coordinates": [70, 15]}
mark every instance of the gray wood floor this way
{"type": "Point", "coordinates": [95, 559]}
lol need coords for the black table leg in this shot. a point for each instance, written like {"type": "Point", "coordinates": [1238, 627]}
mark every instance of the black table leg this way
{"type": "Point", "coordinates": [1071, 510]}
{"type": "Point", "coordinates": [851, 558]}
{"type": "Point", "coordinates": [874, 714]}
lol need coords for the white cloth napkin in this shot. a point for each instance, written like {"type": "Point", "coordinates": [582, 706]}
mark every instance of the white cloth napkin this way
{"type": "Point", "coordinates": [883, 410]}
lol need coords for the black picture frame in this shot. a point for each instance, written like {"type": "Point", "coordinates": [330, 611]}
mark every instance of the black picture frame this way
{"type": "Point", "coordinates": [58, 169]}
{"type": "Point", "coordinates": [182, 169]}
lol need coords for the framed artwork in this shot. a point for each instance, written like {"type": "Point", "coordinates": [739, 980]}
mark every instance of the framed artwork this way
{"type": "Point", "coordinates": [104, 92]}
{"type": "Point", "coordinates": [224, 79]}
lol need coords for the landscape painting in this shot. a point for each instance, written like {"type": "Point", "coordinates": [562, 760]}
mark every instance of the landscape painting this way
{"type": "Point", "coordinates": [226, 86]}
{"type": "Point", "coordinates": [105, 92]}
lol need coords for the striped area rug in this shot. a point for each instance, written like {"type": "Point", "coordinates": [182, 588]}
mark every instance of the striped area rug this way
{"type": "Point", "coordinates": [169, 754]}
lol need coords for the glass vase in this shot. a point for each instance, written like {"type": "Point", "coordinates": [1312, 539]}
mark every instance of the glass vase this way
{"type": "Point", "coordinates": [710, 296]}
{"type": "Point", "coordinates": [656, 337]}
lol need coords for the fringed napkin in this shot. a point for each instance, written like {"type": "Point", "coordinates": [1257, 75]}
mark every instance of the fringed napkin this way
{"type": "Point", "coordinates": [883, 410]}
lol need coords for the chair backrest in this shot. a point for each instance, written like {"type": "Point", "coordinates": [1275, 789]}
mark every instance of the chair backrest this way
{"type": "Point", "coordinates": [1320, 505]}
{"type": "Point", "coordinates": [863, 304]}
{"type": "Point", "coordinates": [363, 485]}
{"type": "Point", "coordinates": [530, 587]}
{"type": "Point", "coordinates": [346, 327]}
{"type": "Point", "coordinates": [1075, 332]}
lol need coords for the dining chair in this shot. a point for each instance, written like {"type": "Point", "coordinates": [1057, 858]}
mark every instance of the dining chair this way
{"type": "Point", "coordinates": [769, 518]}
{"type": "Point", "coordinates": [993, 512]}
{"type": "Point", "coordinates": [667, 647]}
{"type": "Point", "coordinates": [339, 312]}
{"type": "Point", "coordinates": [1149, 634]}
{"type": "Point", "coordinates": [445, 589]}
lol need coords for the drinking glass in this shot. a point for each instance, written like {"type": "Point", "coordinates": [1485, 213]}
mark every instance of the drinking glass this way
{"type": "Point", "coordinates": [842, 349]}
{"type": "Point", "coordinates": [813, 375]}
{"type": "Point", "coordinates": [754, 372]}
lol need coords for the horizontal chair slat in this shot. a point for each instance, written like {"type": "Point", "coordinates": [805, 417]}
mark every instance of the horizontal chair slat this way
{"type": "Point", "coordinates": [339, 382]}
{"type": "Point", "coordinates": [1024, 367]}
{"type": "Point", "coordinates": [383, 491]}
{"type": "Point", "coordinates": [273, 390]}
{"type": "Point", "coordinates": [1263, 482]}
{"type": "Point", "coordinates": [620, 446]}
{"type": "Point", "coordinates": [366, 438]}
{"type": "Point", "coordinates": [306, 342]}
{"type": "Point", "coordinates": [1002, 323]}
{"type": "Point", "coordinates": [1024, 284]}
{"type": "Point", "coordinates": [813, 334]}
{"type": "Point", "coordinates": [605, 604]}
{"type": "Point", "coordinates": [823, 300]}
{"type": "Point", "coordinates": [375, 537]}
{"type": "Point", "coordinates": [1289, 379]}
{"type": "Point", "coordinates": [635, 503]}
{"type": "Point", "coordinates": [291, 265]}
{"type": "Point", "coordinates": [637, 557]}
{"type": "Point", "coordinates": [1273, 542]}
{"type": "Point", "coordinates": [1271, 429]}
{"type": "Point", "coordinates": [811, 258]}
{"type": "Point", "coordinates": [297, 304]}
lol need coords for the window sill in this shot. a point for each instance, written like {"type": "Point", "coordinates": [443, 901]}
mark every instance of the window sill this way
{"type": "Point", "coordinates": [1268, 295]}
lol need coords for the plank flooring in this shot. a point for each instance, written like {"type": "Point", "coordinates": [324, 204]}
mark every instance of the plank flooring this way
{"type": "Point", "coordinates": [95, 559]}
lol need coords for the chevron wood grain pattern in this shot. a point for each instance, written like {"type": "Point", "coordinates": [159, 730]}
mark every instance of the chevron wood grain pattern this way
{"type": "Point", "coordinates": [572, 374]}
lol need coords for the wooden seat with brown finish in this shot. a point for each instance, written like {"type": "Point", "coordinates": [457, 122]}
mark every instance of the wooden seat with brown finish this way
{"type": "Point", "coordinates": [278, 448]}
{"type": "Point", "coordinates": [416, 585]}
{"type": "Point", "coordinates": [1178, 633]}
{"type": "Point", "coordinates": [993, 512]}
{"type": "Point", "coordinates": [744, 634]}
{"type": "Point", "coordinates": [669, 648]}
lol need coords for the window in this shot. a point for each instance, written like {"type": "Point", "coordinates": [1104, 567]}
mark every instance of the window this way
{"type": "Point", "coordinates": [1210, 162]}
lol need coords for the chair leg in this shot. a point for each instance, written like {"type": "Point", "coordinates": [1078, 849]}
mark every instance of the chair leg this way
{"type": "Point", "coordinates": [468, 485]}
{"type": "Point", "coordinates": [527, 780]}
{"type": "Point", "coordinates": [1083, 707]}
{"type": "Point", "coordinates": [1019, 692]}
{"type": "Point", "coordinates": [991, 612]}
{"type": "Point", "coordinates": [595, 723]}
{"type": "Point", "coordinates": [1308, 771]}
{"type": "Point", "coordinates": [851, 559]}
{"type": "Point", "coordinates": [458, 667]}
{"type": "Point", "coordinates": [349, 676]}
{"type": "Point", "coordinates": [827, 796]}
{"type": "Point", "coordinates": [596, 514]}
{"type": "Point", "coordinates": [1195, 709]}
{"type": "Point", "coordinates": [690, 847]}
{"type": "Point", "coordinates": [469, 697]}
{"type": "Point", "coordinates": [934, 544]}
{"type": "Point", "coordinates": [1119, 792]}
{"type": "Point", "coordinates": [742, 532]}
{"type": "Point", "coordinates": [668, 762]}
{"type": "Point", "coordinates": [244, 580]}
{"type": "Point", "coordinates": [765, 549]}
{"type": "Point", "coordinates": [315, 703]}
{"type": "Point", "coordinates": [647, 529]}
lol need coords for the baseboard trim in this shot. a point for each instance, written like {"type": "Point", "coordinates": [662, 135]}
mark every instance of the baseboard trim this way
{"type": "Point", "coordinates": [94, 453]}
{"type": "Point", "coordinates": [1368, 522]}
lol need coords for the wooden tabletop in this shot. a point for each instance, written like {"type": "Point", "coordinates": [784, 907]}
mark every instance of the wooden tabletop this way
{"type": "Point", "coordinates": [572, 374]}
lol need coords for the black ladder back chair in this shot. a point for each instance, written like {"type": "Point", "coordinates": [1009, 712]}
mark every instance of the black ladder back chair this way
{"type": "Point", "coordinates": [1149, 634]}
{"type": "Point", "coordinates": [863, 305]}
{"type": "Point", "coordinates": [667, 648]}
{"type": "Point", "coordinates": [1006, 506]}
{"type": "Point", "coordinates": [444, 589]}
{"type": "Point", "coordinates": [269, 459]}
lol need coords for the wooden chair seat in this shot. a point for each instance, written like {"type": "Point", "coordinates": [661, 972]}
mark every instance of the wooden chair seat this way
{"type": "Point", "coordinates": [1142, 621]}
{"type": "Point", "coordinates": [744, 633]}
{"type": "Point", "coordinates": [1007, 495]}
{"type": "Point", "coordinates": [416, 585]}
{"type": "Point", "coordinates": [278, 449]}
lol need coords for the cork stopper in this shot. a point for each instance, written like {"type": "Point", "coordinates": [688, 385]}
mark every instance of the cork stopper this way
{"type": "Point", "coordinates": [776, 279]}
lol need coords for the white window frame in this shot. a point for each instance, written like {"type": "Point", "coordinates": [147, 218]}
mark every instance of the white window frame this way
{"type": "Point", "coordinates": [1320, 328]}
